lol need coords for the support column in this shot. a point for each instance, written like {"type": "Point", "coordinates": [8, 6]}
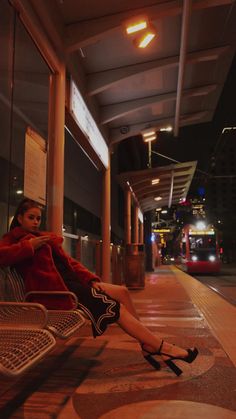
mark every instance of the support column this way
{"type": "Point", "coordinates": [148, 242]}
{"type": "Point", "coordinates": [56, 142]}
{"type": "Point", "coordinates": [106, 225]}
{"type": "Point", "coordinates": [141, 232]}
{"type": "Point", "coordinates": [127, 216]}
{"type": "Point", "coordinates": [136, 235]}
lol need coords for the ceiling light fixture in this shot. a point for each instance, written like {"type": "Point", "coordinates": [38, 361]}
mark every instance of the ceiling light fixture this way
{"type": "Point", "coordinates": [155, 181]}
{"type": "Point", "coordinates": [168, 129]}
{"type": "Point", "coordinates": [136, 26]}
{"type": "Point", "coordinates": [148, 135]}
{"type": "Point", "coordinates": [145, 38]}
{"type": "Point", "coordinates": [158, 198]}
{"type": "Point", "coordinates": [140, 25]}
{"type": "Point", "coordinates": [147, 139]}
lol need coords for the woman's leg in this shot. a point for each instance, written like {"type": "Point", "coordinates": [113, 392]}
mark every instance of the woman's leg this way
{"type": "Point", "coordinates": [119, 293]}
{"type": "Point", "coordinates": [151, 342]}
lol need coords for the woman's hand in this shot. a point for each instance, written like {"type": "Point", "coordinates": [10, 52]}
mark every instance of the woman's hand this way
{"type": "Point", "coordinates": [98, 286]}
{"type": "Point", "coordinates": [38, 242]}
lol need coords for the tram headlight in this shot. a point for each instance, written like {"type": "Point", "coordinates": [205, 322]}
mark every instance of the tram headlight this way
{"type": "Point", "coordinates": [212, 258]}
{"type": "Point", "coordinates": [194, 258]}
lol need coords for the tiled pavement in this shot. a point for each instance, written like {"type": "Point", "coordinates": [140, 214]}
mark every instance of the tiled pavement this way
{"type": "Point", "coordinates": [107, 377]}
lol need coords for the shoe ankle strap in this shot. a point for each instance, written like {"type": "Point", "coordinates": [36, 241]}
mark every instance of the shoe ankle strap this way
{"type": "Point", "coordinates": [159, 350]}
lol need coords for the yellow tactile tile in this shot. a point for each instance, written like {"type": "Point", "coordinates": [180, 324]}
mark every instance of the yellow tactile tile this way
{"type": "Point", "coordinates": [219, 314]}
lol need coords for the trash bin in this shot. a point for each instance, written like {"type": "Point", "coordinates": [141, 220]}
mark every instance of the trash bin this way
{"type": "Point", "coordinates": [134, 266]}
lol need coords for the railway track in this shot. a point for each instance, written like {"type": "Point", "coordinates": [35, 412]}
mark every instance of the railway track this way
{"type": "Point", "coordinates": [223, 284]}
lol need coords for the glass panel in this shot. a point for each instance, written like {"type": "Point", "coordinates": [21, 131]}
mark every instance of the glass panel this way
{"type": "Point", "coordinates": [83, 194]}
{"type": "Point", "coordinates": [24, 94]}
{"type": "Point", "coordinates": [6, 66]}
{"type": "Point", "coordinates": [30, 104]}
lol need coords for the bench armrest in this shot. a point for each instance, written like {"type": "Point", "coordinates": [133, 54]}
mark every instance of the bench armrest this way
{"type": "Point", "coordinates": [22, 315]}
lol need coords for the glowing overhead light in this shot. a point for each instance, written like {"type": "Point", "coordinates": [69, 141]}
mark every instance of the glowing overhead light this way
{"type": "Point", "coordinates": [141, 26]}
{"type": "Point", "coordinates": [168, 129]}
{"type": "Point", "coordinates": [164, 211]}
{"type": "Point", "coordinates": [19, 192]}
{"type": "Point", "coordinates": [146, 37]}
{"type": "Point", "coordinates": [137, 26]}
{"type": "Point", "coordinates": [158, 209]}
{"type": "Point", "coordinates": [200, 225]}
{"type": "Point", "coordinates": [146, 134]}
{"type": "Point", "coordinates": [147, 139]}
{"type": "Point", "coordinates": [155, 181]}
{"type": "Point", "coordinates": [158, 198]}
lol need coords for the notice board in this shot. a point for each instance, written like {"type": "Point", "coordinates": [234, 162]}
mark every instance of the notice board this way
{"type": "Point", "coordinates": [35, 173]}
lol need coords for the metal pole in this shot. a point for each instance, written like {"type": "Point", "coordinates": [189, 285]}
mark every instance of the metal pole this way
{"type": "Point", "coordinates": [149, 154]}
{"type": "Point", "coordinates": [106, 225]}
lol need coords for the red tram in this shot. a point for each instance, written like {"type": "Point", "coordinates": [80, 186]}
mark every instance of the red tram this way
{"type": "Point", "coordinates": [199, 250]}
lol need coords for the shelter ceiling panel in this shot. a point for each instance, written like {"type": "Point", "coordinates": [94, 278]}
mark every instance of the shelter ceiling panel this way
{"type": "Point", "coordinates": [90, 9]}
{"type": "Point", "coordinates": [138, 117]}
{"type": "Point", "coordinates": [137, 86]}
{"type": "Point", "coordinates": [200, 74]}
{"type": "Point", "coordinates": [193, 104]}
{"type": "Point", "coordinates": [200, 37]}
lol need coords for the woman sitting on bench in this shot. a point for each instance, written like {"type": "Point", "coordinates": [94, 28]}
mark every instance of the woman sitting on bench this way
{"type": "Point", "coordinates": [43, 264]}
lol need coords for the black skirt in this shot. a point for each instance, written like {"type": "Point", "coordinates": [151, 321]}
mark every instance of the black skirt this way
{"type": "Point", "coordinates": [101, 309]}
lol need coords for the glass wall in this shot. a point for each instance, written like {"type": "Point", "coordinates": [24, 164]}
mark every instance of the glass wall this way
{"type": "Point", "coordinates": [83, 191]}
{"type": "Point", "coordinates": [24, 96]}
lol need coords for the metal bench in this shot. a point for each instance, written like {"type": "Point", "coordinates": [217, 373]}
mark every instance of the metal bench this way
{"type": "Point", "coordinates": [62, 323]}
{"type": "Point", "coordinates": [23, 338]}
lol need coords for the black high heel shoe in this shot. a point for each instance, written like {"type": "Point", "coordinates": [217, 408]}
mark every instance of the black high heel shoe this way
{"type": "Point", "coordinates": [155, 364]}
{"type": "Point", "coordinates": [192, 354]}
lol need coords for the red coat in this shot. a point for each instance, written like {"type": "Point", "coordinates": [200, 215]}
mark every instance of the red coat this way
{"type": "Point", "coordinates": [37, 267]}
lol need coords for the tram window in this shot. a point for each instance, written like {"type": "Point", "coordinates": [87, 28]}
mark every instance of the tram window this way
{"type": "Point", "coordinates": [201, 242]}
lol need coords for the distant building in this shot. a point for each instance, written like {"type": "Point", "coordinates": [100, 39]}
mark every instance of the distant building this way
{"type": "Point", "coordinates": [221, 190]}
{"type": "Point", "coordinates": [198, 208]}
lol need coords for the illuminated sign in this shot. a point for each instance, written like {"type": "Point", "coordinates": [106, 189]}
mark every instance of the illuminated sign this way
{"type": "Point", "coordinates": [140, 215]}
{"type": "Point", "coordinates": [161, 230]}
{"type": "Point", "coordinates": [87, 124]}
{"type": "Point", "coordinates": [201, 233]}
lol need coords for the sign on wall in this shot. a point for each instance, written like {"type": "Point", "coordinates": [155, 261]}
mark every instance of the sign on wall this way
{"type": "Point", "coordinates": [87, 124]}
{"type": "Point", "coordinates": [35, 167]}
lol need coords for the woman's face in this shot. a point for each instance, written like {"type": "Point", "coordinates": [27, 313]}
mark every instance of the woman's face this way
{"type": "Point", "coordinates": [31, 219]}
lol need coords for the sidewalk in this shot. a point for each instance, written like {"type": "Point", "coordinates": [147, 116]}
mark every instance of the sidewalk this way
{"type": "Point", "coordinates": [108, 378]}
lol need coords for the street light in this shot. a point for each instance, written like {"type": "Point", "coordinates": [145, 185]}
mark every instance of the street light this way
{"type": "Point", "coordinates": [150, 135]}
{"type": "Point", "coordinates": [228, 129]}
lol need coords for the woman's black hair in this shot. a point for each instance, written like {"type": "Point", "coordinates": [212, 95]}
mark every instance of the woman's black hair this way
{"type": "Point", "coordinates": [24, 206]}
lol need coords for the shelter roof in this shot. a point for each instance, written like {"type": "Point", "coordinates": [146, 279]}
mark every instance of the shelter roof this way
{"type": "Point", "coordinates": [168, 184]}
